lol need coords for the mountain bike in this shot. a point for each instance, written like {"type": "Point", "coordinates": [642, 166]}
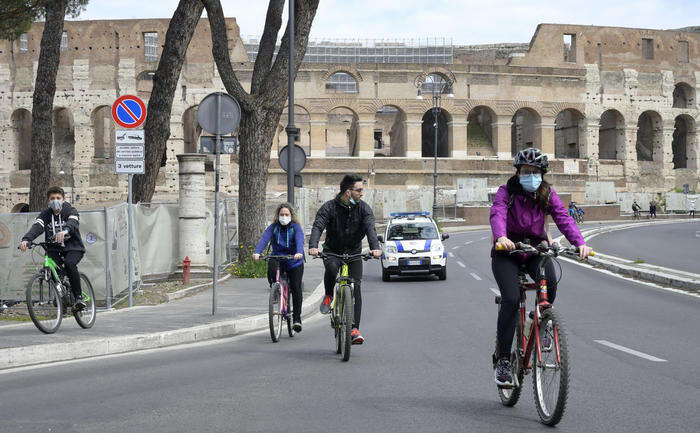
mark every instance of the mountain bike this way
{"type": "Point", "coordinates": [280, 303]}
{"type": "Point", "coordinates": [343, 305]}
{"type": "Point", "coordinates": [579, 216]}
{"type": "Point", "coordinates": [543, 347]}
{"type": "Point", "coordinates": [49, 296]}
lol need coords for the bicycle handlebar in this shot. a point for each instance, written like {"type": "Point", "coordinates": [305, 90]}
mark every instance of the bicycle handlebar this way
{"type": "Point", "coordinates": [543, 250]}
{"type": "Point", "coordinates": [345, 257]}
{"type": "Point", "coordinates": [272, 256]}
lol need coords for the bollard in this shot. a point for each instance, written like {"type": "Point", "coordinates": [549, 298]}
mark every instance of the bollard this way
{"type": "Point", "coordinates": [186, 270]}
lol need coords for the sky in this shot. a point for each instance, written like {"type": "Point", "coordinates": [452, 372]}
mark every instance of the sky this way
{"type": "Point", "coordinates": [466, 22]}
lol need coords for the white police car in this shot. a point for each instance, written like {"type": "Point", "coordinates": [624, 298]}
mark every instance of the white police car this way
{"type": "Point", "coordinates": [413, 245]}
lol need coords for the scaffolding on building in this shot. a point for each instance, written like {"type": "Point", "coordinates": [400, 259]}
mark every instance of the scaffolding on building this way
{"type": "Point", "coordinates": [421, 50]}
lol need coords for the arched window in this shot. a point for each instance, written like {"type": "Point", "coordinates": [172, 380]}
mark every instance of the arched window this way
{"type": "Point", "coordinates": [435, 83]}
{"type": "Point", "coordinates": [341, 82]}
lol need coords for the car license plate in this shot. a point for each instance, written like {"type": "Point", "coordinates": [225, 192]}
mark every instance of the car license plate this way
{"type": "Point", "coordinates": [414, 263]}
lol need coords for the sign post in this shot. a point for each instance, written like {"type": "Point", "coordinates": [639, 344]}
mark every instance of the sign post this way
{"type": "Point", "coordinates": [129, 157]}
{"type": "Point", "coordinates": [218, 114]}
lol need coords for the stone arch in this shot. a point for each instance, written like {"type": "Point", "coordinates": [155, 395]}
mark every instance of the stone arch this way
{"type": "Point", "coordinates": [683, 96]}
{"type": "Point", "coordinates": [428, 134]}
{"type": "Point", "coordinates": [342, 82]}
{"type": "Point", "coordinates": [390, 131]}
{"type": "Point", "coordinates": [103, 132]}
{"type": "Point", "coordinates": [191, 131]}
{"type": "Point", "coordinates": [480, 120]}
{"type": "Point", "coordinates": [63, 152]}
{"type": "Point", "coordinates": [302, 120]}
{"type": "Point", "coordinates": [525, 130]}
{"type": "Point", "coordinates": [567, 133]}
{"type": "Point", "coordinates": [649, 136]}
{"type": "Point", "coordinates": [144, 84]}
{"type": "Point", "coordinates": [684, 144]}
{"type": "Point", "coordinates": [21, 121]}
{"type": "Point", "coordinates": [20, 208]}
{"type": "Point", "coordinates": [611, 135]}
{"type": "Point", "coordinates": [436, 79]}
{"type": "Point", "coordinates": [341, 133]}
{"type": "Point", "coordinates": [343, 68]}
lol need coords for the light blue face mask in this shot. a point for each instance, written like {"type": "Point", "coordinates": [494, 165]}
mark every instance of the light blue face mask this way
{"type": "Point", "coordinates": [530, 181]}
{"type": "Point", "coordinates": [352, 201]}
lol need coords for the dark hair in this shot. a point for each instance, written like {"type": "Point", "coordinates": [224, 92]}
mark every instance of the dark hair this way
{"type": "Point", "coordinates": [55, 190]}
{"type": "Point", "coordinates": [291, 211]}
{"type": "Point", "coordinates": [349, 181]}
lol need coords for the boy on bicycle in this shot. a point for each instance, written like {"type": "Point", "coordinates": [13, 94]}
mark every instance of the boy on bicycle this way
{"type": "Point", "coordinates": [60, 225]}
{"type": "Point", "coordinates": [518, 214]}
{"type": "Point", "coordinates": [347, 220]}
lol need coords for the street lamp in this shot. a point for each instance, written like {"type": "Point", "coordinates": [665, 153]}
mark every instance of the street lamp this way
{"type": "Point", "coordinates": [72, 182]}
{"type": "Point", "coordinates": [438, 85]}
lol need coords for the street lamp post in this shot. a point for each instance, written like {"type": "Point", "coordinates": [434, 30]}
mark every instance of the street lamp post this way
{"type": "Point", "coordinates": [72, 182]}
{"type": "Point", "coordinates": [436, 90]}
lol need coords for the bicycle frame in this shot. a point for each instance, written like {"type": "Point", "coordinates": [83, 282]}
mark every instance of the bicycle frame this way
{"type": "Point", "coordinates": [343, 277]}
{"type": "Point", "coordinates": [284, 286]}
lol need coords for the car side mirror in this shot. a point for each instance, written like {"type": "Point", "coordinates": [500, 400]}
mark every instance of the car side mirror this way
{"type": "Point", "coordinates": [445, 236]}
{"type": "Point", "coordinates": [380, 238]}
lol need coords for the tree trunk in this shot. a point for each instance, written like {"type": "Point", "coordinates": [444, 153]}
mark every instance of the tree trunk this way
{"type": "Point", "coordinates": [261, 110]}
{"type": "Point", "coordinates": [44, 91]}
{"type": "Point", "coordinates": [180, 31]}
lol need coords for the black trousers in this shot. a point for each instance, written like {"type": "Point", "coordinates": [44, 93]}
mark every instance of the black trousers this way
{"type": "Point", "coordinates": [294, 276]}
{"type": "Point", "coordinates": [332, 265]}
{"type": "Point", "coordinates": [68, 260]}
{"type": "Point", "coordinates": [505, 270]}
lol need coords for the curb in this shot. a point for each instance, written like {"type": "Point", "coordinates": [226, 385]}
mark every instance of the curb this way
{"type": "Point", "coordinates": [649, 273]}
{"type": "Point", "coordinates": [45, 353]}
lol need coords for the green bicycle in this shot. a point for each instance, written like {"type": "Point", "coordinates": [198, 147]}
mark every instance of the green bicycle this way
{"type": "Point", "coordinates": [342, 309]}
{"type": "Point", "coordinates": [49, 297]}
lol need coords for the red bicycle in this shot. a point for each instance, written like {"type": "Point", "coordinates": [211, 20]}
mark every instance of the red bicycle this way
{"type": "Point", "coordinates": [280, 303]}
{"type": "Point", "coordinates": [540, 347]}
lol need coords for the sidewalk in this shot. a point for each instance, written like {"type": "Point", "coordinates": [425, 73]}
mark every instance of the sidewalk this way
{"type": "Point", "coordinates": [241, 307]}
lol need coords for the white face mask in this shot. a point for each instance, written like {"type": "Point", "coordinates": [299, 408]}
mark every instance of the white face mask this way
{"type": "Point", "coordinates": [284, 220]}
{"type": "Point", "coordinates": [55, 204]}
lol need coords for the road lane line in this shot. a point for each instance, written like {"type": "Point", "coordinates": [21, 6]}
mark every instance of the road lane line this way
{"type": "Point", "coordinates": [461, 264]}
{"type": "Point", "coordinates": [482, 238]}
{"type": "Point", "coordinates": [468, 242]}
{"type": "Point", "coordinates": [476, 277]}
{"type": "Point", "coordinates": [495, 291]}
{"type": "Point", "coordinates": [451, 254]}
{"type": "Point", "coordinates": [455, 247]}
{"type": "Point", "coordinates": [630, 351]}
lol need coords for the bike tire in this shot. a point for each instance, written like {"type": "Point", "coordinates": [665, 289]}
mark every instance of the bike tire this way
{"type": "Point", "coordinates": [274, 316]}
{"type": "Point", "coordinates": [551, 410]}
{"type": "Point", "coordinates": [290, 331]}
{"type": "Point", "coordinates": [86, 317]}
{"type": "Point", "coordinates": [510, 396]}
{"type": "Point", "coordinates": [347, 320]}
{"type": "Point", "coordinates": [45, 310]}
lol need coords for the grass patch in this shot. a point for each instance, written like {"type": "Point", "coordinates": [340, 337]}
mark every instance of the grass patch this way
{"type": "Point", "coordinates": [156, 294]}
{"type": "Point", "coordinates": [638, 261]}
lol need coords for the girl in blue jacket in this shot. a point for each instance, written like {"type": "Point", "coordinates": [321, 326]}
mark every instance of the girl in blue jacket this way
{"type": "Point", "coordinates": [286, 237]}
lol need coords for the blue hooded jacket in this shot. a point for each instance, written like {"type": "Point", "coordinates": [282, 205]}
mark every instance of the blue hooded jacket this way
{"type": "Point", "coordinates": [285, 241]}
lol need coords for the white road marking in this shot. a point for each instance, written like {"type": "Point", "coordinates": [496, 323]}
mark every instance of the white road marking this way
{"type": "Point", "coordinates": [482, 238]}
{"type": "Point", "coordinates": [495, 291]}
{"type": "Point", "coordinates": [461, 264]}
{"type": "Point", "coordinates": [476, 277]}
{"type": "Point", "coordinates": [451, 254]}
{"type": "Point", "coordinates": [468, 242]}
{"type": "Point", "coordinates": [630, 351]}
{"type": "Point", "coordinates": [454, 248]}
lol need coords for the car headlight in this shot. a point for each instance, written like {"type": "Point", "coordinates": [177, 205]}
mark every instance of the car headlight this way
{"type": "Point", "coordinates": [436, 247]}
{"type": "Point", "coordinates": [391, 249]}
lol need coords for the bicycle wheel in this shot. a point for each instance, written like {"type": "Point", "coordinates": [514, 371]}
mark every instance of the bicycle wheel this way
{"type": "Point", "coordinates": [336, 320]}
{"type": "Point", "coordinates": [44, 304]}
{"type": "Point", "coordinates": [289, 315]}
{"type": "Point", "coordinates": [274, 316]}
{"type": "Point", "coordinates": [86, 316]}
{"type": "Point", "coordinates": [551, 376]}
{"type": "Point", "coordinates": [347, 320]}
{"type": "Point", "coordinates": [510, 396]}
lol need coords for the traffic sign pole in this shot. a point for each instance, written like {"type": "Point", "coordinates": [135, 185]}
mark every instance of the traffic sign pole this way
{"type": "Point", "coordinates": [291, 129]}
{"type": "Point", "coordinates": [131, 261]}
{"type": "Point", "coordinates": [216, 206]}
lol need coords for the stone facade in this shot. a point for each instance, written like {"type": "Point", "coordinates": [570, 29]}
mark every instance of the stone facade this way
{"type": "Point", "coordinates": [620, 103]}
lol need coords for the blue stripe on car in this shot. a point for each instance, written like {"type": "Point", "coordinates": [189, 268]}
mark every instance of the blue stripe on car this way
{"type": "Point", "coordinates": [399, 247]}
{"type": "Point", "coordinates": [427, 244]}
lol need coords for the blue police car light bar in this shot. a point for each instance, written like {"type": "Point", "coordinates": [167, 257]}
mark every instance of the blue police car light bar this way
{"type": "Point", "coordinates": [400, 214]}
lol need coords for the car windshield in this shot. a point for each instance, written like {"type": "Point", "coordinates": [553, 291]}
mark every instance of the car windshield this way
{"type": "Point", "coordinates": [412, 231]}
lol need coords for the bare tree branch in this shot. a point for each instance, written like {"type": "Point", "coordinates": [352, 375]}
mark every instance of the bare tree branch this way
{"type": "Point", "coordinates": [266, 50]}
{"type": "Point", "coordinates": [219, 37]}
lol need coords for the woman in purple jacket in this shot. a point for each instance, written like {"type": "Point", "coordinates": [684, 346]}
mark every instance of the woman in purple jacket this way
{"type": "Point", "coordinates": [518, 214]}
{"type": "Point", "coordinates": [286, 238]}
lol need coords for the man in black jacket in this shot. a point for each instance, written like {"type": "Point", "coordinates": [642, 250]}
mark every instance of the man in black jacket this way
{"type": "Point", "coordinates": [347, 220]}
{"type": "Point", "coordinates": [60, 223]}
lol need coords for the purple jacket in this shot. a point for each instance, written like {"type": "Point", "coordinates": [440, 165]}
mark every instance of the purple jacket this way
{"type": "Point", "coordinates": [525, 219]}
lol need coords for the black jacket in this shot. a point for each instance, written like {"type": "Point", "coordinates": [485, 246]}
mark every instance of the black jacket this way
{"type": "Point", "coordinates": [345, 225]}
{"type": "Point", "coordinates": [49, 223]}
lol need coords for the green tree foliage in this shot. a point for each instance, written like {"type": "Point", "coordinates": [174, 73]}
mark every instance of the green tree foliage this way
{"type": "Point", "coordinates": [17, 16]}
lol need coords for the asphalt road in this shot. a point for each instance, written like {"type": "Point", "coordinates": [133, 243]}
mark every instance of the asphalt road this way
{"type": "Point", "coordinates": [425, 367]}
{"type": "Point", "coordinates": [675, 246]}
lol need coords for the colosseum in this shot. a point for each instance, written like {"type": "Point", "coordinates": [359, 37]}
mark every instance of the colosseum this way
{"type": "Point", "coordinates": [605, 103]}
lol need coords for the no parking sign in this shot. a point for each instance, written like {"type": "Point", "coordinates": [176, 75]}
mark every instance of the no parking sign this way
{"type": "Point", "coordinates": [129, 111]}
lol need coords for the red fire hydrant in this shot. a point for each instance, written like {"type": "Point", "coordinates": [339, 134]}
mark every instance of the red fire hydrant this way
{"type": "Point", "coordinates": [186, 270]}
